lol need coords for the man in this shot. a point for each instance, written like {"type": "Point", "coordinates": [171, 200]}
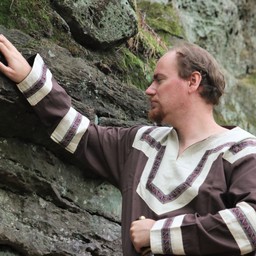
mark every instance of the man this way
{"type": "Point", "coordinates": [192, 179]}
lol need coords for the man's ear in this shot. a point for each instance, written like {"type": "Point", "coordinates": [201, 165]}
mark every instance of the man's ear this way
{"type": "Point", "coordinates": [194, 81]}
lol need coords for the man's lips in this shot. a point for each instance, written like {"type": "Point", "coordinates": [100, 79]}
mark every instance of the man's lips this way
{"type": "Point", "coordinates": [153, 104]}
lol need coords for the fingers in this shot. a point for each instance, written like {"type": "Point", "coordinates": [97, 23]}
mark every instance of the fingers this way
{"type": "Point", "coordinates": [17, 67]}
{"type": "Point", "coordinates": [7, 43]}
{"type": "Point", "coordinates": [2, 59]}
{"type": "Point", "coordinates": [140, 233]}
{"type": "Point", "coordinates": [3, 53]}
{"type": "Point", "coordinates": [133, 236]}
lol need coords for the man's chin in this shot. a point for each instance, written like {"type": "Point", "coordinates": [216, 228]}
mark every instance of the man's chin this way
{"type": "Point", "coordinates": [155, 117]}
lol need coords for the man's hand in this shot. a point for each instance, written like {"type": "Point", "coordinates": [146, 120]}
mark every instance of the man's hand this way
{"type": "Point", "coordinates": [140, 233]}
{"type": "Point", "coordinates": [18, 67]}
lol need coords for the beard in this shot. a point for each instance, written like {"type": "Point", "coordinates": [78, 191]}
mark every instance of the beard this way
{"type": "Point", "coordinates": [156, 116]}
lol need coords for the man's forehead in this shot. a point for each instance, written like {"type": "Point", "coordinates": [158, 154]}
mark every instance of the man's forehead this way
{"type": "Point", "coordinates": [170, 55]}
{"type": "Point", "coordinates": [167, 61]}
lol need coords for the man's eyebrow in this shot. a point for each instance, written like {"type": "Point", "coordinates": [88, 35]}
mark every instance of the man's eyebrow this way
{"type": "Point", "coordinates": [156, 76]}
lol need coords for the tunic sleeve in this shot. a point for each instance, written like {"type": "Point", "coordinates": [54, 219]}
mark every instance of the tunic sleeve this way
{"type": "Point", "coordinates": [230, 231]}
{"type": "Point", "coordinates": [101, 149]}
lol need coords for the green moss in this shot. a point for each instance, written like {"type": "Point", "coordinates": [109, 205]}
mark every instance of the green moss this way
{"type": "Point", "coordinates": [145, 52]}
{"type": "Point", "coordinates": [138, 58]}
{"type": "Point", "coordinates": [249, 79]}
{"type": "Point", "coordinates": [37, 18]}
{"type": "Point", "coordinates": [157, 24]}
{"type": "Point", "coordinates": [133, 62]}
{"type": "Point", "coordinates": [27, 15]}
{"type": "Point", "coordinates": [5, 12]}
{"type": "Point", "coordinates": [162, 18]}
{"type": "Point", "coordinates": [135, 70]}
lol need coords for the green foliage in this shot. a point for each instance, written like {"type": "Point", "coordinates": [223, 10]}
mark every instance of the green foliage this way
{"type": "Point", "coordinates": [135, 71]}
{"type": "Point", "coordinates": [157, 23]}
{"type": "Point", "coordinates": [138, 58]}
{"type": "Point", "coordinates": [5, 11]}
{"type": "Point", "coordinates": [162, 18]}
{"type": "Point", "coordinates": [27, 15]}
{"type": "Point", "coordinates": [132, 62]}
{"type": "Point", "coordinates": [37, 18]}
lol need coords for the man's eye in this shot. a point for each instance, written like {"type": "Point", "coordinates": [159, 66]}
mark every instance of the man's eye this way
{"type": "Point", "coordinates": [150, 82]}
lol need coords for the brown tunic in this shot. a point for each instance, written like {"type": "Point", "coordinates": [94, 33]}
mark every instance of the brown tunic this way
{"type": "Point", "coordinates": [204, 200]}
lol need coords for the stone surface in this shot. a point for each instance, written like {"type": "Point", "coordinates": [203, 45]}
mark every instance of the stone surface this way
{"type": "Point", "coordinates": [225, 28]}
{"type": "Point", "coordinates": [98, 23]}
{"type": "Point", "coordinates": [49, 204]}
{"type": "Point", "coordinates": [48, 207]}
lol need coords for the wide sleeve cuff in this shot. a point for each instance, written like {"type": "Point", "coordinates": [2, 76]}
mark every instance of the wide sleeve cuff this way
{"type": "Point", "coordinates": [166, 236]}
{"type": "Point", "coordinates": [38, 83]}
{"type": "Point", "coordinates": [156, 237]}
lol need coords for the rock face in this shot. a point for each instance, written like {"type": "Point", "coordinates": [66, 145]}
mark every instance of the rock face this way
{"type": "Point", "coordinates": [225, 28]}
{"type": "Point", "coordinates": [98, 23]}
{"type": "Point", "coordinates": [49, 204]}
{"type": "Point", "coordinates": [44, 214]}
{"type": "Point", "coordinates": [53, 207]}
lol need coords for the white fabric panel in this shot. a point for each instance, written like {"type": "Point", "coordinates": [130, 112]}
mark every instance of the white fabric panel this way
{"type": "Point", "coordinates": [64, 126]}
{"type": "Point", "coordinates": [33, 78]}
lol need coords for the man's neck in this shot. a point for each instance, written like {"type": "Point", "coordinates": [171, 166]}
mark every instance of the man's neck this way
{"type": "Point", "coordinates": [198, 130]}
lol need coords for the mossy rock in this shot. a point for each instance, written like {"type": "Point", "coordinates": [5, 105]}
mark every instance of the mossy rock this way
{"type": "Point", "coordinates": [163, 19]}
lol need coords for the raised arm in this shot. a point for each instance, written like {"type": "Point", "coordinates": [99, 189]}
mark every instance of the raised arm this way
{"type": "Point", "coordinates": [66, 126]}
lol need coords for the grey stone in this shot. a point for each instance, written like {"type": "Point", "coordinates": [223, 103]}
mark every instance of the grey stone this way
{"type": "Point", "coordinates": [98, 23]}
{"type": "Point", "coordinates": [51, 205]}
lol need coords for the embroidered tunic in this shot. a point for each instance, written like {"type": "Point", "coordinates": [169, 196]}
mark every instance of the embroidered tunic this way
{"type": "Point", "coordinates": [203, 200]}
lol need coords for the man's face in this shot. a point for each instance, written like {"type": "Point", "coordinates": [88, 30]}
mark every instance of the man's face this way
{"type": "Point", "coordinates": [167, 92]}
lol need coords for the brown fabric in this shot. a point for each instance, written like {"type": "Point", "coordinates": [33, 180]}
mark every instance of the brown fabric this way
{"type": "Point", "coordinates": [109, 152]}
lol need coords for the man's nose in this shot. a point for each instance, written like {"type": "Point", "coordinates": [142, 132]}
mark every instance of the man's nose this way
{"type": "Point", "coordinates": [151, 89]}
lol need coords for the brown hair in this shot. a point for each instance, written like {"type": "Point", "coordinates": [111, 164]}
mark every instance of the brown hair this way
{"type": "Point", "coordinates": [190, 58]}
